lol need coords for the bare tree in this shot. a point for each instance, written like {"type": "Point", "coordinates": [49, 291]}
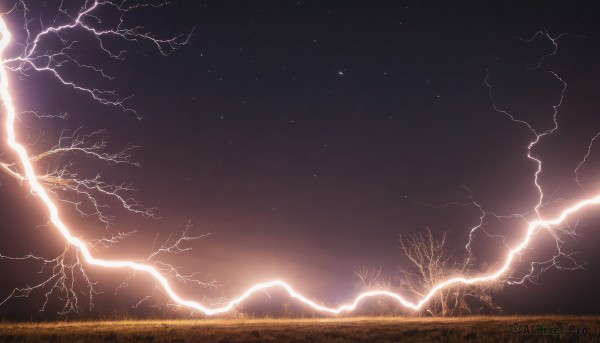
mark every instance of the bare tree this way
{"type": "Point", "coordinates": [426, 262]}
{"type": "Point", "coordinates": [429, 262]}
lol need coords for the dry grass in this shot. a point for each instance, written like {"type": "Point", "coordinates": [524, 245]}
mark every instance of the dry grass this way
{"type": "Point", "coordinates": [353, 329]}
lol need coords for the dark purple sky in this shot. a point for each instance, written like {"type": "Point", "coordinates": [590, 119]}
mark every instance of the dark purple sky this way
{"type": "Point", "coordinates": [298, 132]}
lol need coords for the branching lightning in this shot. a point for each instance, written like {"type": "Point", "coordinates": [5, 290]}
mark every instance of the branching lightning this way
{"type": "Point", "coordinates": [42, 185]}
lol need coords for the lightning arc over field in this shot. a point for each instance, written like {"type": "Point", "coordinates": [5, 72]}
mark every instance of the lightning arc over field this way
{"type": "Point", "coordinates": [29, 175]}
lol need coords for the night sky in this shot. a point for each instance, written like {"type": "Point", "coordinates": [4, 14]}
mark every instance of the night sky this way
{"type": "Point", "coordinates": [306, 136]}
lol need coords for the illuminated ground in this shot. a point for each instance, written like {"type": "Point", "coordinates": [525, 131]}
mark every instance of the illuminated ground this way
{"type": "Point", "coordinates": [371, 329]}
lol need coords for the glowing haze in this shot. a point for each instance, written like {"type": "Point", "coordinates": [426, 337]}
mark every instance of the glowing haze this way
{"type": "Point", "coordinates": [28, 174]}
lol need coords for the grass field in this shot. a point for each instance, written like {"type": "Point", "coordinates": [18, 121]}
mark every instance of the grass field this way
{"type": "Point", "coordinates": [362, 329]}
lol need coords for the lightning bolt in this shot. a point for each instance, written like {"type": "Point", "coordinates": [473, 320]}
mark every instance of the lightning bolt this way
{"type": "Point", "coordinates": [31, 178]}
